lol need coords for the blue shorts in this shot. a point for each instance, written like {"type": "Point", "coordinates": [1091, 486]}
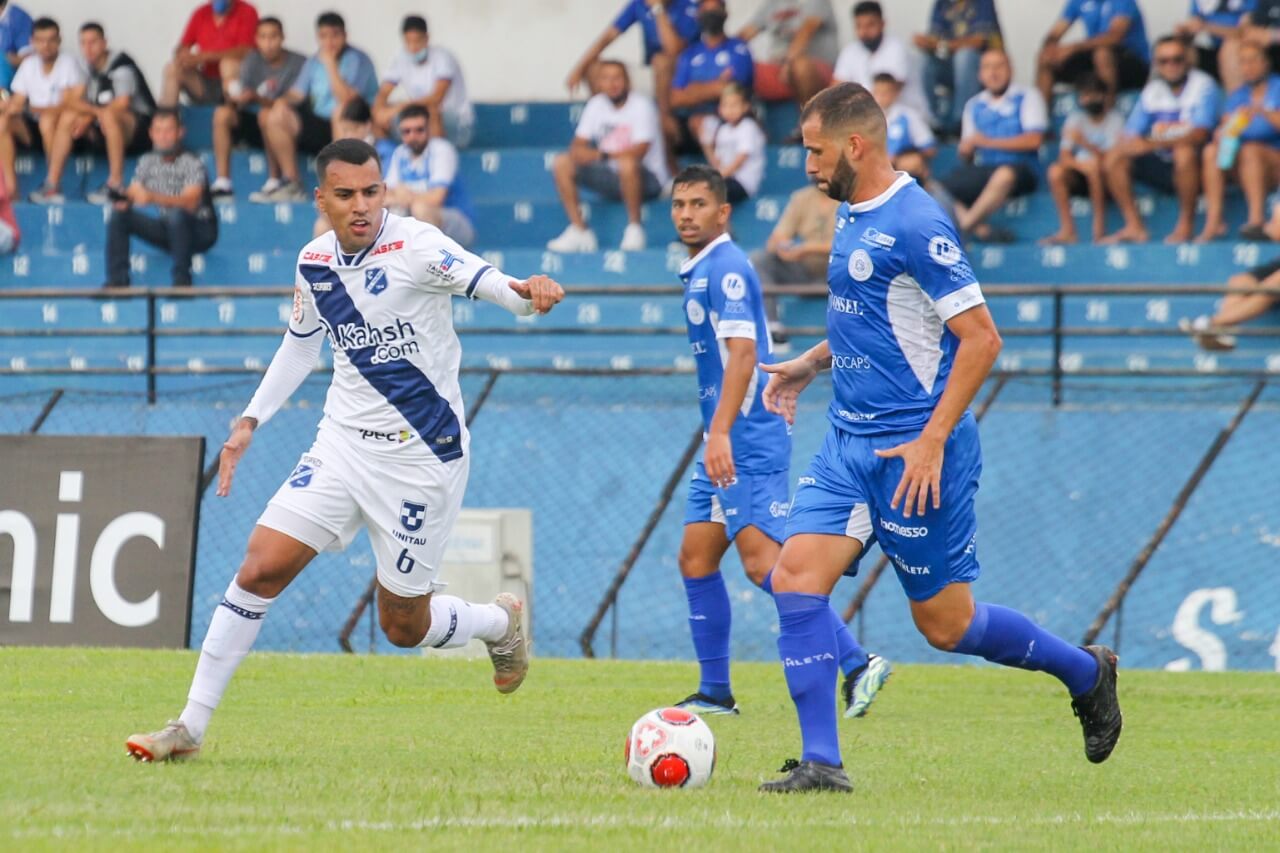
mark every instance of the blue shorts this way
{"type": "Point", "coordinates": [754, 500]}
{"type": "Point", "coordinates": [847, 489]}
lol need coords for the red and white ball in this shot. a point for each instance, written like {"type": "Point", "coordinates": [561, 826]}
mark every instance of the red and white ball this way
{"type": "Point", "coordinates": [671, 748]}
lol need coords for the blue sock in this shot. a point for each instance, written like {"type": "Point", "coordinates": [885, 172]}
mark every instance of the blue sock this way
{"type": "Point", "coordinates": [1007, 637]}
{"type": "Point", "coordinates": [851, 655]}
{"type": "Point", "coordinates": [709, 622]}
{"type": "Point", "coordinates": [807, 647]}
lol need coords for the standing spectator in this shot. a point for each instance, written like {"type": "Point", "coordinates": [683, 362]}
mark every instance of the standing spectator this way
{"type": "Point", "coordinates": [908, 139]}
{"type": "Point", "coordinates": [266, 74]}
{"type": "Point", "coordinates": [617, 152]}
{"type": "Point", "coordinates": [173, 180]}
{"type": "Point", "coordinates": [423, 178]}
{"type": "Point", "coordinates": [798, 250]}
{"type": "Point", "coordinates": [305, 118]}
{"type": "Point", "coordinates": [1114, 47]}
{"type": "Point", "coordinates": [735, 145]}
{"type": "Point", "coordinates": [1092, 129]}
{"type": "Point", "coordinates": [959, 32]}
{"type": "Point", "coordinates": [704, 69]}
{"type": "Point", "coordinates": [1000, 136]}
{"type": "Point", "coordinates": [1214, 30]}
{"type": "Point", "coordinates": [218, 35]}
{"type": "Point", "coordinates": [801, 45]}
{"type": "Point", "coordinates": [874, 52]}
{"type": "Point", "coordinates": [430, 77]}
{"type": "Point", "coordinates": [15, 40]}
{"type": "Point", "coordinates": [1168, 127]}
{"type": "Point", "coordinates": [1246, 145]}
{"type": "Point", "coordinates": [10, 235]}
{"type": "Point", "coordinates": [29, 118]}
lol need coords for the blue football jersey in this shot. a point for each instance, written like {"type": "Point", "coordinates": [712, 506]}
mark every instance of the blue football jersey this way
{"type": "Point", "coordinates": [897, 275]}
{"type": "Point", "coordinates": [722, 300]}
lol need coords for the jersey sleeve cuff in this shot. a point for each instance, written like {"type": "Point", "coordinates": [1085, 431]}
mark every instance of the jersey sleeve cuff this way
{"type": "Point", "coordinates": [959, 301]}
{"type": "Point", "coordinates": [736, 329]}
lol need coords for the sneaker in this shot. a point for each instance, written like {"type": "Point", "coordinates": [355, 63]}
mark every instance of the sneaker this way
{"type": "Point", "coordinates": [222, 191]}
{"type": "Point", "coordinates": [1099, 709]}
{"type": "Point", "coordinates": [172, 743]}
{"type": "Point", "coordinates": [290, 191]}
{"type": "Point", "coordinates": [510, 655]}
{"type": "Point", "coordinates": [861, 686]}
{"type": "Point", "coordinates": [102, 195]}
{"type": "Point", "coordinates": [1206, 337]}
{"type": "Point", "coordinates": [574, 239]}
{"type": "Point", "coordinates": [633, 238]}
{"type": "Point", "coordinates": [809, 776]}
{"type": "Point", "coordinates": [47, 195]}
{"type": "Point", "coordinates": [704, 706]}
{"type": "Point", "coordinates": [266, 193]}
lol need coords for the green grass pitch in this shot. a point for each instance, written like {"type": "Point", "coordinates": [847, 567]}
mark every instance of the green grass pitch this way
{"type": "Point", "coordinates": [328, 752]}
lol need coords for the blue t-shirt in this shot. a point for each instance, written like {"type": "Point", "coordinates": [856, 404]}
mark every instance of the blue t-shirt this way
{"type": "Point", "coordinates": [682, 13]}
{"type": "Point", "coordinates": [1196, 105]}
{"type": "Point", "coordinates": [354, 66]}
{"type": "Point", "coordinates": [955, 19]}
{"type": "Point", "coordinates": [722, 300]}
{"type": "Point", "coordinates": [1097, 15]}
{"type": "Point", "coordinates": [702, 64]}
{"type": "Point", "coordinates": [1019, 110]}
{"type": "Point", "coordinates": [15, 34]}
{"type": "Point", "coordinates": [897, 275]}
{"type": "Point", "coordinates": [1258, 129]}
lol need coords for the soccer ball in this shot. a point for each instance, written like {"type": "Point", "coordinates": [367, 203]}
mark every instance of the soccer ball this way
{"type": "Point", "coordinates": [671, 748]}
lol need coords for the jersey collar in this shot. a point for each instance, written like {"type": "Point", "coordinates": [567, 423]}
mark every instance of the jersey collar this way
{"type": "Point", "coordinates": [872, 203]}
{"type": "Point", "coordinates": [687, 266]}
{"type": "Point", "coordinates": [346, 260]}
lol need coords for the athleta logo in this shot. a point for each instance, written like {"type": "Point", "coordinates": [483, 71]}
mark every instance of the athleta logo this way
{"type": "Point", "coordinates": [808, 659]}
{"type": "Point", "coordinates": [844, 305]}
{"type": "Point", "coordinates": [387, 247]}
{"type": "Point", "coordinates": [905, 532]}
{"type": "Point", "coordinates": [907, 569]}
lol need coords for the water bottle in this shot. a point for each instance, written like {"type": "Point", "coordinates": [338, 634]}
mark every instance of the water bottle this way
{"type": "Point", "coordinates": [1229, 145]}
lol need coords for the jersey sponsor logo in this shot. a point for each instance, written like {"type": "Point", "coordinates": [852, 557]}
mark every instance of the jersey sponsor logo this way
{"type": "Point", "coordinates": [399, 437]}
{"type": "Point", "coordinates": [696, 313]}
{"type": "Point", "coordinates": [412, 515]}
{"type": "Point", "coordinates": [393, 246]}
{"type": "Point", "coordinates": [707, 392]}
{"type": "Point", "coordinates": [735, 308]}
{"type": "Point", "coordinates": [902, 530]}
{"type": "Point", "coordinates": [906, 568]}
{"type": "Point", "coordinates": [375, 280]}
{"type": "Point", "coordinates": [321, 286]}
{"type": "Point", "coordinates": [317, 256]}
{"type": "Point", "coordinates": [860, 266]}
{"type": "Point", "coordinates": [697, 284]}
{"type": "Point", "coordinates": [779, 509]}
{"type": "Point", "coordinates": [844, 305]}
{"type": "Point", "coordinates": [945, 251]}
{"type": "Point", "coordinates": [297, 304]}
{"type": "Point", "coordinates": [876, 237]}
{"type": "Point", "coordinates": [391, 342]}
{"type": "Point", "coordinates": [734, 286]}
{"type": "Point", "coordinates": [698, 347]}
{"type": "Point", "coordinates": [851, 362]}
{"type": "Point", "coordinates": [962, 273]}
{"type": "Point", "coordinates": [447, 260]}
{"type": "Point", "coordinates": [301, 476]}
{"type": "Point", "coordinates": [807, 481]}
{"type": "Point", "coordinates": [855, 417]}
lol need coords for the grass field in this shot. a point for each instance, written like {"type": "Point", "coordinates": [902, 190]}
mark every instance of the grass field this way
{"type": "Point", "coordinates": [339, 752]}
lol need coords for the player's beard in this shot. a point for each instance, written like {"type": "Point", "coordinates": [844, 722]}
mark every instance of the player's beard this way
{"type": "Point", "coordinates": [840, 184]}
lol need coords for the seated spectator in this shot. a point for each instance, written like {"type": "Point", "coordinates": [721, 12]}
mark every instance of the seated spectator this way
{"type": "Point", "coordinates": [735, 145]}
{"type": "Point", "coordinates": [799, 54]}
{"type": "Point", "coordinates": [798, 250]}
{"type": "Point", "coordinates": [10, 235]}
{"type": "Point", "coordinates": [15, 40]}
{"type": "Point", "coordinates": [1245, 146]}
{"type": "Point", "coordinates": [1262, 25]}
{"type": "Point", "coordinates": [218, 36]}
{"type": "Point", "coordinates": [1114, 47]}
{"type": "Point", "coordinates": [704, 69]}
{"type": "Point", "coordinates": [874, 52]}
{"type": "Point", "coordinates": [305, 118]}
{"type": "Point", "coordinates": [1241, 306]}
{"type": "Point", "coordinates": [908, 138]}
{"type": "Point", "coordinates": [1000, 136]}
{"type": "Point", "coordinates": [1214, 31]}
{"type": "Point", "coordinates": [429, 77]}
{"type": "Point", "coordinates": [1091, 130]}
{"type": "Point", "coordinates": [266, 74]}
{"type": "Point", "coordinates": [959, 32]}
{"type": "Point", "coordinates": [424, 181]}
{"type": "Point", "coordinates": [617, 152]}
{"type": "Point", "coordinates": [175, 181]}
{"type": "Point", "coordinates": [29, 118]}
{"type": "Point", "coordinates": [1169, 125]}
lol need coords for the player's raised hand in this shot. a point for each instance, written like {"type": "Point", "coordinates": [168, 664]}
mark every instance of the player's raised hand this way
{"type": "Point", "coordinates": [921, 474]}
{"type": "Point", "coordinates": [232, 451]}
{"type": "Point", "coordinates": [787, 379]}
{"type": "Point", "coordinates": [543, 292]}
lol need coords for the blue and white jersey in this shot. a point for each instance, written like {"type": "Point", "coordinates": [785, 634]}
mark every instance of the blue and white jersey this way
{"type": "Point", "coordinates": [1097, 16]}
{"type": "Point", "coordinates": [701, 63]}
{"type": "Point", "coordinates": [435, 167]}
{"type": "Point", "coordinates": [1221, 13]}
{"type": "Point", "coordinates": [722, 300]}
{"type": "Point", "coordinates": [683, 15]}
{"type": "Point", "coordinates": [1161, 113]}
{"type": "Point", "coordinates": [1019, 110]}
{"type": "Point", "coordinates": [1258, 129]}
{"type": "Point", "coordinates": [907, 131]}
{"type": "Point", "coordinates": [388, 315]}
{"type": "Point", "coordinates": [897, 275]}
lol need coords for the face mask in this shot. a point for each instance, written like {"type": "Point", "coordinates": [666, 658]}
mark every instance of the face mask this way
{"type": "Point", "coordinates": [712, 22]}
{"type": "Point", "coordinates": [220, 7]}
{"type": "Point", "coordinates": [420, 56]}
{"type": "Point", "coordinates": [1094, 108]}
{"type": "Point", "coordinates": [873, 44]}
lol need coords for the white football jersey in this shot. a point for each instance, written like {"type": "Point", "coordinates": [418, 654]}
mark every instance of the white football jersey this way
{"type": "Point", "coordinates": [387, 312]}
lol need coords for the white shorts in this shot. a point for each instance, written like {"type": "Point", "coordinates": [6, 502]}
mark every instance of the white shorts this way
{"type": "Point", "coordinates": [408, 507]}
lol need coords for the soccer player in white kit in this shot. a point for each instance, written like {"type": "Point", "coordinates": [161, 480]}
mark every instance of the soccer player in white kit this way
{"type": "Point", "coordinates": [391, 453]}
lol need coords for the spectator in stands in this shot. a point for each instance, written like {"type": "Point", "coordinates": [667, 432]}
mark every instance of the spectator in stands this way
{"type": "Point", "coordinates": [424, 181]}
{"type": "Point", "coordinates": [1162, 142]}
{"type": "Point", "coordinates": [1246, 145]}
{"type": "Point", "coordinates": [429, 77]}
{"type": "Point", "coordinates": [799, 54]}
{"type": "Point", "coordinates": [1091, 130]}
{"type": "Point", "coordinates": [735, 145]}
{"type": "Point", "coordinates": [29, 118]}
{"type": "Point", "coordinates": [1214, 30]}
{"type": "Point", "coordinates": [617, 152]}
{"type": "Point", "coordinates": [704, 69]}
{"type": "Point", "coordinates": [797, 251]}
{"type": "Point", "coordinates": [1114, 47]}
{"type": "Point", "coordinates": [1262, 26]}
{"type": "Point", "coordinates": [306, 116]}
{"type": "Point", "coordinates": [1001, 132]}
{"type": "Point", "coordinates": [175, 181]}
{"type": "Point", "coordinates": [15, 40]}
{"type": "Point", "coordinates": [874, 52]}
{"type": "Point", "coordinates": [959, 32]}
{"type": "Point", "coordinates": [266, 74]}
{"type": "Point", "coordinates": [1236, 308]}
{"type": "Point", "coordinates": [10, 234]}
{"type": "Point", "coordinates": [909, 140]}
{"type": "Point", "coordinates": [218, 36]}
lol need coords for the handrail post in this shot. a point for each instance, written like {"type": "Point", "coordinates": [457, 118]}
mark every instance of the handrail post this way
{"type": "Point", "coordinates": [151, 346]}
{"type": "Point", "coordinates": [1057, 346]}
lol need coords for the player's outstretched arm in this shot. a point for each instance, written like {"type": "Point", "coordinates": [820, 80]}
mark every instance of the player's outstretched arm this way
{"type": "Point", "coordinates": [542, 292]}
{"type": "Point", "coordinates": [233, 450]}
{"type": "Point", "coordinates": [788, 378]}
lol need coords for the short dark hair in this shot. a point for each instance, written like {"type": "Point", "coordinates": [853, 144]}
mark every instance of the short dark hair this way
{"type": "Point", "coordinates": [331, 19]}
{"type": "Point", "coordinates": [1092, 83]}
{"type": "Point", "coordinates": [867, 7]}
{"type": "Point", "coordinates": [886, 77]}
{"type": "Point", "coordinates": [413, 24]}
{"type": "Point", "coordinates": [45, 23]}
{"type": "Point", "coordinates": [844, 105]}
{"type": "Point", "coordinates": [357, 152]}
{"type": "Point", "coordinates": [1169, 39]}
{"type": "Point", "coordinates": [167, 112]}
{"type": "Point", "coordinates": [414, 111]}
{"type": "Point", "coordinates": [701, 173]}
{"type": "Point", "coordinates": [616, 63]}
{"type": "Point", "coordinates": [356, 110]}
{"type": "Point", "coordinates": [274, 21]}
{"type": "Point", "coordinates": [93, 26]}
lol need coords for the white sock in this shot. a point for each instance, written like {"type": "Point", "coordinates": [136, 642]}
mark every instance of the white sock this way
{"type": "Point", "coordinates": [455, 622]}
{"type": "Point", "coordinates": [234, 627]}
{"type": "Point", "coordinates": [221, 184]}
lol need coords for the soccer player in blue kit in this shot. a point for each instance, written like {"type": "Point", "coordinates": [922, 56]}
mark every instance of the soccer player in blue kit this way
{"type": "Point", "coordinates": [910, 341]}
{"type": "Point", "coordinates": [739, 489]}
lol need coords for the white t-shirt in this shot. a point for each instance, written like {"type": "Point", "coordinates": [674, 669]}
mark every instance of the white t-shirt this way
{"type": "Point", "coordinates": [46, 90]}
{"type": "Point", "coordinates": [419, 79]}
{"type": "Point", "coordinates": [612, 129]}
{"type": "Point", "coordinates": [732, 141]}
{"type": "Point", "coordinates": [436, 166]}
{"type": "Point", "coordinates": [856, 64]}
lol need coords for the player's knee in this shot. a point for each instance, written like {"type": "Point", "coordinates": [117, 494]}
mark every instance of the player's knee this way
{"type": "Point", "coordinates": [403, 636]}
{"type": "Point", "coordinates": [694, 565]}
{"type": "Point", "coordinates": [941, 634]}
